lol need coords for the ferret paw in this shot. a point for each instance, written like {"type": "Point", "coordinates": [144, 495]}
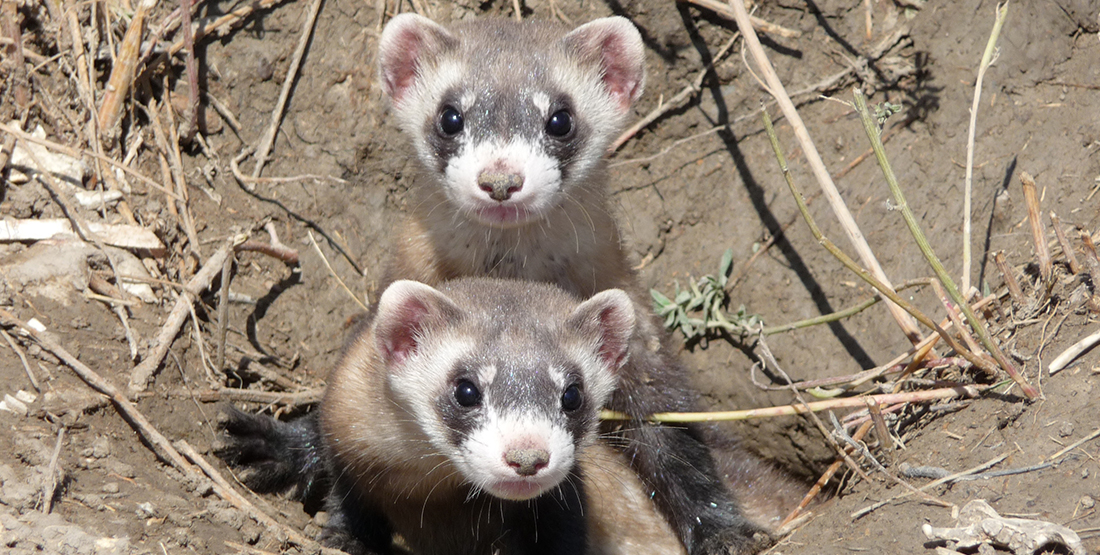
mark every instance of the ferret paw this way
{"type": "Point", "coordinates": [734, 541]}
{"type": "Point", "coordinates": [271, 456]}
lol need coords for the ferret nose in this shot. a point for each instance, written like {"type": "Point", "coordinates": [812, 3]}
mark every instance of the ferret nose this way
{"type": "Point", "coordinates": [527, 462]}
{"type": "Point", "coordinates": [499, 185]}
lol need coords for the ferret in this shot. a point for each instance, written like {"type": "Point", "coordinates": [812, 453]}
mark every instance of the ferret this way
{"type": "Point", "coordinates": [509, 122]}
{"type": "Point", "coordinates": [457, 418]}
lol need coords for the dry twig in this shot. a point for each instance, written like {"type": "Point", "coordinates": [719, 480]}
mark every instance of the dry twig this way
{"type": "Point", "coordinates": [775, 88]}
{"type": "Point", "coordinates": [1075, 350]}
{"type": "Point", "coordinates": [723, 10]}
{"type": "Point", "coordinates": [143, 373]}
{"type": "Point", "coordinates": [988, 57]}
{"type": "Point", "coordinates": [268, 139]}
{"type": "Point", "coordinates": [1067, 248]}
{"type": "Point", "coordinates": [1010, 278]}
{"type": "Point", "coordinates": [1038, 234]}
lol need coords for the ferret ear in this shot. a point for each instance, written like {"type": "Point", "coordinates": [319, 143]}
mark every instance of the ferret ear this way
{"type": "Point", "coordinates": [407, 41]}
{"type": "Point", "coordinates": [608, 316]}
{"type": "Point", "coordinates": [615, 44]}
{"type": "Point", "coordinates": [406, 311]}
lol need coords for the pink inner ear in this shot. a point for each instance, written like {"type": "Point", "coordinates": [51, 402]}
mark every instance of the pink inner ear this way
{"type": "Point", "coordinates": [399, 66]}
{"type": "Point", "coordinates": [620, 75]}
{"type": "Point", "coordinates": [614, 336]}
{"type": "Point", "coordinates": [398, 336]}
{"type": "Point", "coordinates": [400, 62]}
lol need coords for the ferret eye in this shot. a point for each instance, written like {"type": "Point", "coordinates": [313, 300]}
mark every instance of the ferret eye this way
{"type": "Point", "coordinates": [467, 394]}
{"type": "Point", "coordinates": [572, 398]}
{"type": "Point", "coordinates": [559, 124]}
{"type": "Point", "coordinates": [450, 121]}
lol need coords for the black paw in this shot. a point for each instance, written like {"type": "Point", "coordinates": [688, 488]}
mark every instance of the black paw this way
{"type": "Point", "coordinates": [272, 456]}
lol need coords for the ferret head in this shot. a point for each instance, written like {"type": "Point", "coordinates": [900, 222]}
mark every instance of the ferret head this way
{"type": "Point", "coordinates": [511, 116]}
{"type": "Point", "coordinates": [504, 379]}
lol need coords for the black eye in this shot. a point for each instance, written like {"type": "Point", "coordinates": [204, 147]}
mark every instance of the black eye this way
{"type": "Point", "coordinates": [560, 124]}
{"type": "Point", "coordinates": [450, 121]}
{"type": "Point", "coordinates": [467, 394]}
{"type": "Point", "coordinates": [572, 397]}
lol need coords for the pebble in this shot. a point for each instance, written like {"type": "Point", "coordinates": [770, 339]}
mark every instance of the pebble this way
{"type": "Point", "coordinates": [1066, 429]}
{"type": "Point", "coordinates": [110, 487]}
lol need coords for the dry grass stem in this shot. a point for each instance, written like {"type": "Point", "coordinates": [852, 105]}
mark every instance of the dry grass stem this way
{"type": "Point", "coordinates": [1074, 351]}
{"type": "Point", "coordinates": [122, 73]}
{"type": "Point", "coordinates": [221, 23]}
{"type": "Point", "coordinates": [836, 202]}
{"type": "Point", "coordinates": [333, 273]}
{"type": "Point", "coordinates": [1095, 434]}
{"type": "Point", "coordinates": [724, 10]}
{"type": "Point", "coordinates": [77, 153]}
{"type": "Point", "coordinates": [768, 358]}
{"type": "Point", "coordinates": [192, 74]}
{"type": "Point", "coordinates": [1091, 259]}
{"type": "Point", "coordinates": [882, 432]}
{"type": "Point", "coordinates": [851, 264]}
{"type": "Point", "coordinates": [160, 444]}
{"type": "Point", "coordinates": [296, 399]}
{"type": "Point", "coordinates": [274, 248]}
{"type": "Point", "coordinates": [1038, 233]}
{"type": "Point", "coordinates": [223, 310]}
{"type": "Point", "coordinates": [953, 315]}
{"type": "Point", "coordinates": [967, 391]}
{"type": "Point", "coordinates": [268, 140]}
{"type": "Point", "coordinates": [23, 359]}
{"type": "Point", "coordinates": [873, 135]}
{"type": "Point", "coordinates": [945, 480]}
{"type": "Point", "coordinates": [823, 480]}
{"type": "Point", "coordinates": [1009, 278]}
{"type": "Point", "coordinates": [1067, 248]}
{"type": "Point", "coordinates": [49, 489]}
{"type": "Point", "coordinates": [144, 372]}
{"type": "Point", "coordinates": [988, 57]}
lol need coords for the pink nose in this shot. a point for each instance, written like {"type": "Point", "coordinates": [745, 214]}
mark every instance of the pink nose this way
{"type": "Point", "coordinates": [527, 462]}
{"type": "Point", "coordinates": [499, 185]}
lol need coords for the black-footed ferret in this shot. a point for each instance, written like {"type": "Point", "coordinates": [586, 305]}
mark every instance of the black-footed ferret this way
{"type": "Point", "coordinates": [456, 419]}
{"type": "Point", "coordinates": [510, 122]}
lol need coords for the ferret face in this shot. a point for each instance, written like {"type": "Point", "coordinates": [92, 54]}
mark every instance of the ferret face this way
{"type": "Point", "coordinates": [510, 117]}
{"type": "Point", "coordinates": [512, 424]}
{"type": "Point", "coordinates": [507, 389]}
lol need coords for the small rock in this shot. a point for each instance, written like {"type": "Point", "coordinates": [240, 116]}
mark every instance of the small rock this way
{"type": "Point", "coordinates": [1087, 502]}
{"type": "Point", "coordinates": [120, 468]}
{"type": "Point", "coordinates": [101, 447]}
{"type": "Point", "coordinates": [146, 510]}
{"type": "Point", "coordinates": [1084, 473]}
{"type": "Point", "coordinates": [110, 487]}
{"type": "Point", "coordinates": [1066, 429]}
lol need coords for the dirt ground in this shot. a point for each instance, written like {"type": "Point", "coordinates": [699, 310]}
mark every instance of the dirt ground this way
{"type": "Point", "coordinates": [683, 195]}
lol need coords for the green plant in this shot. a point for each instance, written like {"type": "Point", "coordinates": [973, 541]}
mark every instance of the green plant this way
{"type": "Point", "coordinates": [706, 297]}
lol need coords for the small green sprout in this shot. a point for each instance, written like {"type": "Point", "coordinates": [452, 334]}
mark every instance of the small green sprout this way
{"type": "Point", "coordinates": [708, 298]}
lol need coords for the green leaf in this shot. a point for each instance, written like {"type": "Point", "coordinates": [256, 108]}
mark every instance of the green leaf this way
{"type": "Point", "coordinates": [727, 263]}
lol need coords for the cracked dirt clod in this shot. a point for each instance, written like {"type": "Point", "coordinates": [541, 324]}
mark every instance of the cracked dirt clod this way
{"type": "Point", "coordinates": [980, 524]}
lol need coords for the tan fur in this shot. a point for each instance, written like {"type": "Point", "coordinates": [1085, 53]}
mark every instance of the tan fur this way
{"type": "Point", "coordinates": [577, 247]}
{"type": "Point", "coordinates": [621, 518]}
